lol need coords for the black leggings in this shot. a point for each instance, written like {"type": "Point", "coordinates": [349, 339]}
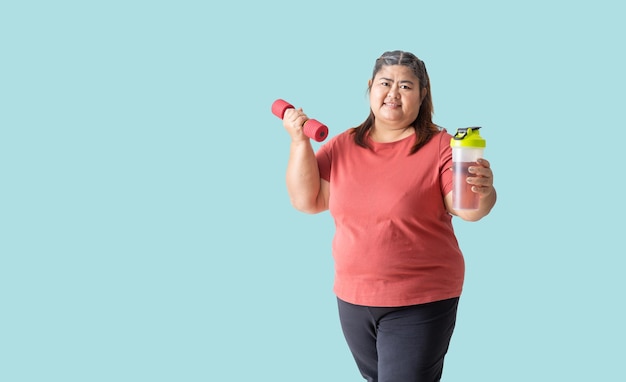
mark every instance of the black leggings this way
{"type": "Point", "coordinates": [404, 344]}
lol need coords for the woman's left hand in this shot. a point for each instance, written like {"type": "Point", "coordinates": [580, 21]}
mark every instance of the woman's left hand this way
{"type": "Point", "coordinates": [482, 179]}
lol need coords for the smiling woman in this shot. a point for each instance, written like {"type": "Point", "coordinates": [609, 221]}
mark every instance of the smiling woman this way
{"type": "Point", "coordinates": [399, 81]}
{"type": "Point", "coordinates": [399, 270]}
{"type": "Point", "coordinates": [395, 98]}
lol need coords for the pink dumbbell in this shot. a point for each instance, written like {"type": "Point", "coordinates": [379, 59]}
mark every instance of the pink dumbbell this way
{"type": "Point", "coordinates": [312, 128]}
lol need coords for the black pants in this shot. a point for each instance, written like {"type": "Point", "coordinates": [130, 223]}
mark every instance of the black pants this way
{"type": "Point", "coordinates": [405, 344]}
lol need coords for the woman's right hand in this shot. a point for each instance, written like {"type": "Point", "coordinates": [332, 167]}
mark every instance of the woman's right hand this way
{"type": "Point", "coordinates": [293, 121]}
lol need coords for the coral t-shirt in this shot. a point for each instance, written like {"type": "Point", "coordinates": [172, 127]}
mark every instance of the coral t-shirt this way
{"type": "Point", "coordinates": [394, 243]}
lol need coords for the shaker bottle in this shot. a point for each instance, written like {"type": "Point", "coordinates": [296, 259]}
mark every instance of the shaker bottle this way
{"type": "Point", "coordinates": [467, 147]}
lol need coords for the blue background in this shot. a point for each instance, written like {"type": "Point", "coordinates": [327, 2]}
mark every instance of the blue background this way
{"type": "Point", "coordinates": [145, 229]}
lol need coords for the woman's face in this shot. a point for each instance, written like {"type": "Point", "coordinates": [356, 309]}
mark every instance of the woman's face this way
{"type": "Point", "coordinates": [395, 96]}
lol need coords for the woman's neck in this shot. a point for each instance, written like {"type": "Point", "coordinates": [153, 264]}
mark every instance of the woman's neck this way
{"type": "Point", "coordinates": [390, 135]}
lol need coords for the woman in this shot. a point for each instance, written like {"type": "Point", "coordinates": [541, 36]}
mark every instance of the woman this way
{"type": "Point", "coordinates": [388, 185]}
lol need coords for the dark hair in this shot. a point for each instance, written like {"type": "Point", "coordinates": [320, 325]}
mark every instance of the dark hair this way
{"type": "Point", "coordinates": [425, 129]}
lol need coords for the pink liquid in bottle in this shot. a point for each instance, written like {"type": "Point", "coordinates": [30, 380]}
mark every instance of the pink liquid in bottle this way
{"type": "Point", "coordinates": [463, 198]}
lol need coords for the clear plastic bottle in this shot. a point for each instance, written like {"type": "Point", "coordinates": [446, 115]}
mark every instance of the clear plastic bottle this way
{"type": "Point", "coordinates": [467, 147]}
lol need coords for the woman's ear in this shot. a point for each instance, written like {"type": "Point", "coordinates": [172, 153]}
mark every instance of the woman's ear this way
{"type": "Point", "coordinates": [424, 93]}
{"type": "Point", "coordinates": [369, 84]}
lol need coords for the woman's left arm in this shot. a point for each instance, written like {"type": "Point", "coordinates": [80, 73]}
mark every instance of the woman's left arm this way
{"type": "Point", "coordinates": [482, 184]}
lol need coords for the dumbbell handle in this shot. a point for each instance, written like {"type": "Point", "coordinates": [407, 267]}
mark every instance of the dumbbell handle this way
{"type": "Point", "coordinates": [311, 128]}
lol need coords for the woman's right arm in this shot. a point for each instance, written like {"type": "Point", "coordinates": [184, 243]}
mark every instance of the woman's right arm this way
{"type": "Point", "coordinates": [307, 191]}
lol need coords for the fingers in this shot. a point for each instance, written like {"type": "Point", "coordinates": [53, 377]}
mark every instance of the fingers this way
{"type": "Point", "coordinates": [484, 162]}
{"type": "Point", "coordinates": [482, 182]}
{"type": "Point", "coordinates": [294, 119]}
{"type": "Point", "coordinates": [482, 170]}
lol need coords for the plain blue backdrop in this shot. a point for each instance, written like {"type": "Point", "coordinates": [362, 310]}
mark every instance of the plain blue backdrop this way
{"type": "Point", "coordinates": [145, 229]}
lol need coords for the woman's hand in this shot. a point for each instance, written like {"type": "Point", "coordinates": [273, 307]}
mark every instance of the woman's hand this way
{"type": "Point", "coordinates": [293, 120]}
{"type": "Point", "coordinates": [482, 184]}
{"type": "Point", "coordinates": [482, 181]}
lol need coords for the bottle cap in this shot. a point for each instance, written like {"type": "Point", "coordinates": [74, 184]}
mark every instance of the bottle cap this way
{"type": "Point", "coordinates": [467, 137]}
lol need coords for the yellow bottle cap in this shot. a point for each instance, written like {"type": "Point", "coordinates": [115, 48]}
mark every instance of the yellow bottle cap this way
{"type": "Point", "coordinates": [467, 137]}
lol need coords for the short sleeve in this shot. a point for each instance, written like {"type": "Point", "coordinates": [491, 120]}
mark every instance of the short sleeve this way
{"type": "Point", "coordinates": [445, 153]}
